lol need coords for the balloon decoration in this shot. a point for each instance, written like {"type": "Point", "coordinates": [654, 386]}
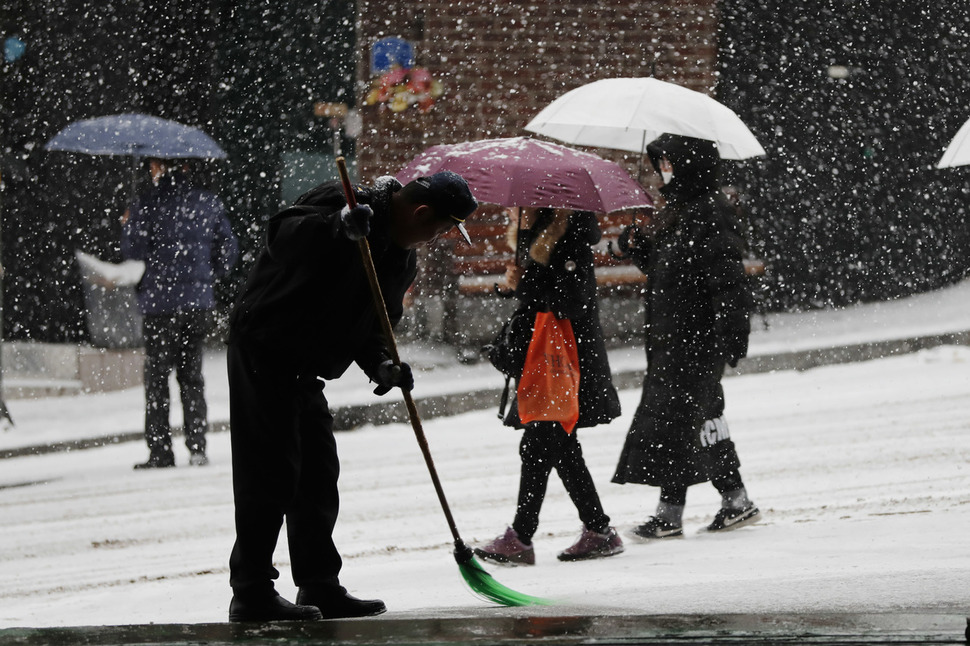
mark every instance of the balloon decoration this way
{"type": "Point", "coordinates": [403, 87]}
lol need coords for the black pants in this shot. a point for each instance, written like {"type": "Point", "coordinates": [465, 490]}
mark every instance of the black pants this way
{"type": "Point", "coordinates": [720, 458]}
{"type": "Point", "coordinates": [724, 482]}
{"type": "Point", "coordinates": [546, 446]}
{"type": "Point", "coordinates": [174, 342]}
{"type": "Point", "coordinates": [284, 464]}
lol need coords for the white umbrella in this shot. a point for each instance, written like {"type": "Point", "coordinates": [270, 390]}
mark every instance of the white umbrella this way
{"type": "Point", "coordinates": [629, 113]}
{"type": "Point", "coordinates": [958, 152]}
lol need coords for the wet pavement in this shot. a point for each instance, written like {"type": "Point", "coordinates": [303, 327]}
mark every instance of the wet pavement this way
{"type": "Point", "coordinates": [528, 626]}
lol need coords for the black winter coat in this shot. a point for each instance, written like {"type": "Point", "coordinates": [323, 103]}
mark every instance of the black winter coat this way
{"type": "Point", "coordinates": [697, 320]}
{"type": "Point", "coordinates": [567, 287]}
{"type": "Point", "coordinates": [308, 299]}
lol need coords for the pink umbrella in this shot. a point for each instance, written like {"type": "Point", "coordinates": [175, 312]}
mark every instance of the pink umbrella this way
{"type": "Point", "coordinates": [520, 171]}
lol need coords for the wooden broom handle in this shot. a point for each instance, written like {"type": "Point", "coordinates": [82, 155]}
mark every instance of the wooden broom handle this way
{"type": "Point", "coordinates": [381, 308]}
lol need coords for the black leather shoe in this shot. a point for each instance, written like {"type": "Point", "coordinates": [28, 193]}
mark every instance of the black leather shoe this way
{"type": "Point", "coordinates": [337, 604]}
{"type": "Point", "coordinates": [157, 462]}
{"type": "Point", "coordinates": [272, 608]}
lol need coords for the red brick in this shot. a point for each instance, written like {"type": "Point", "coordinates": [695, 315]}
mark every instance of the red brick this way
{"type": "Point", "coordinates": [508, 60]}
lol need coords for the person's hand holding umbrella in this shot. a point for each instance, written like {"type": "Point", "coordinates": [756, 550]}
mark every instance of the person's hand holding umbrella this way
{"type": "Point", "coordinates": [646, 225]}
{"type": "Point", "coordinates": [513, 274]}
{"type": "Point", "coordinates": [545, 242]}
{"type": "Point", "coordinates": [520, 219]}
{"type": "Point", "coordinates": [541, 248]}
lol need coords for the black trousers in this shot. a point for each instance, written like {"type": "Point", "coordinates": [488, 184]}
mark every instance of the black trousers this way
{"type": "Point", "coordinates": [284, 465]}
{"type": "Point", "coordinates": [175, 342]}
{"type": "Point", "coordinates": [724, 481]}
{"type": "Point", "coordinates": [546, 446]}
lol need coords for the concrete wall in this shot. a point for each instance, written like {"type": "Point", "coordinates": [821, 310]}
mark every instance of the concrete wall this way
{"type": "Point", "coordinates": [48, 369]}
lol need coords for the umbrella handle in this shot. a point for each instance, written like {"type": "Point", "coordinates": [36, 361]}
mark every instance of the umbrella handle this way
{"type": "Point", "coordinates": [135, 162]}
{"type": "Point", "coordinates": [504, 293]}
{"type": "Point", "coordinates": [615, 254]}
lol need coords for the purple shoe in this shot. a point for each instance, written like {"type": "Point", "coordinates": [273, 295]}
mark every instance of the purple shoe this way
{"type": "Point", "coordinates": [592, 545]}
{"type": "Point", "coordinates": [507, 548]}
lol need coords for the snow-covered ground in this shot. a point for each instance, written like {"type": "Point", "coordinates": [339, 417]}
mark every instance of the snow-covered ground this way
{"type": "Point", "coordinates": [61, 419]}
{"type": "Point", "coordinates": [862, 472]}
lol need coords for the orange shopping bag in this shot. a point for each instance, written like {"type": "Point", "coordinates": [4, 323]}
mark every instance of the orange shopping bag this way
{"type": "Point", "coordinates": [549, 387]}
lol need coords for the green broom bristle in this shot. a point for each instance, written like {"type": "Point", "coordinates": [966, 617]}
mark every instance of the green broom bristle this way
{"type": "Point", "coordinates": [482, 583]}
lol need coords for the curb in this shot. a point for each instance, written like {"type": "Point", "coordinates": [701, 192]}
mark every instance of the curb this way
{"type": "Point", "coordinates": [347, 418]}
{"type": "Point", "coordinates": [927, 627]}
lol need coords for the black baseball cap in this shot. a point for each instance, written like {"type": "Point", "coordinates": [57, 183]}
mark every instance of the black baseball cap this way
{"type": "Point", "coordinates": [448, 194]}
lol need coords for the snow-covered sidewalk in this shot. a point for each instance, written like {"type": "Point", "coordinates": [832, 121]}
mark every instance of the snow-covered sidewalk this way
{"type": "Point", "coordinates": [862, 471]}
{"type": "Point", "coordinates": [437, 371]}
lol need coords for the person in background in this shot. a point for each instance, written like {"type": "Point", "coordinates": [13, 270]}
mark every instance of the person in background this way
{"type": "Point", "coordinates": [305, 315]}
{"type": "Point", "coordinates": [697, 321]}
{"type": "Point", "coordinates": [183, 236]}
{"type": "Point", "coordinates": [6, 421]}
{"type": "Point", "coordinates": [558, 277]}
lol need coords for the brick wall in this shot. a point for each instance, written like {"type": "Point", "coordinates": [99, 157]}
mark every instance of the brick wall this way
{"type": "Point", "coordinates": [502, 62]}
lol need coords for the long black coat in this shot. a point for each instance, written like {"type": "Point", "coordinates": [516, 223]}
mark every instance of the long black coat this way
{"type": "Point", "coordinates": [697, 320]}
{"type": "Point", "coordinates": [567, 287]}
{"type": "Point", "coordinates": [308, 298]}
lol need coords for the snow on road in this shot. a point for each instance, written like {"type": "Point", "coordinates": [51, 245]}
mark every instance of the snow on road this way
{"type": "Point", "coordinates": [862, 472]}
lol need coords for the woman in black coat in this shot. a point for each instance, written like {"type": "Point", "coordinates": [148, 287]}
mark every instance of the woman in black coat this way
{"type": "Point", "coordinates": [558, 277]}
{"type": "Point", "coordinates": [697, 320]}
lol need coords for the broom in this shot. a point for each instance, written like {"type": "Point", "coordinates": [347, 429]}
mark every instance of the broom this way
{"type": "Point", "coordinates": [480, 581]}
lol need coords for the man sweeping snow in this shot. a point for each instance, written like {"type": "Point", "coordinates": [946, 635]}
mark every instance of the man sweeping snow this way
{"type": "Point", "coordinates": [305, 315]}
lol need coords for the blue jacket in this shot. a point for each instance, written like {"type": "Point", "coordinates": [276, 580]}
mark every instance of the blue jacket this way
{"type": "Point", "coordinates": [183, 236]}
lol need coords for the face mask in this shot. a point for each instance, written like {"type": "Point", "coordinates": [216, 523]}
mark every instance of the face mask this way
{"type": "Point", "coordinates": [666, 170]}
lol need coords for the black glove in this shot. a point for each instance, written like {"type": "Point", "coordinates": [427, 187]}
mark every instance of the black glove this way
{"type": "Point", "coordinates": [623, 240]}
{"type": "Point", "coordinates": [355, 222]}
{"type": "Point", "coordinates": [390, 375]}
{"type": "Point", "coordinates": [735, 348]}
